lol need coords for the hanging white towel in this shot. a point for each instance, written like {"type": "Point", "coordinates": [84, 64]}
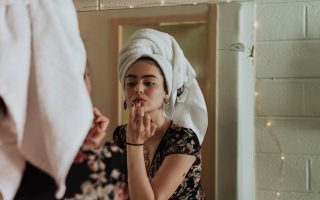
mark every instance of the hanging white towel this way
{"type": "Point", "coordinates": [42, 60]}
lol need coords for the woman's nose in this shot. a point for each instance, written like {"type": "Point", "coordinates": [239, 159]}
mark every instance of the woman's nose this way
{"type": "Point", "coordinates": [139, 89]}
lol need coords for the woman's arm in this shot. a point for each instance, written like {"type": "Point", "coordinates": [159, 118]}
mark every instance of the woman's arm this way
{"type": "Point", "coordinates": [140, 129]}
{"type": "Point", "coordinates": [139, 185]}
{"type": "Point", "coordinates": [169, 176]}
{"type": "Point", "coordinates": [166, 181]}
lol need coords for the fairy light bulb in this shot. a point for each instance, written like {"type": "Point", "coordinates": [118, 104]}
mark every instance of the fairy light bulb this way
{"type": "Point", "coordinates": [130, 6]}
{"type": "Point", "coordinates": [278, 147]}
{"type": "Point", "coordinates": [162, 2]}
{"type": "Point", "coordinates": [269, 124]}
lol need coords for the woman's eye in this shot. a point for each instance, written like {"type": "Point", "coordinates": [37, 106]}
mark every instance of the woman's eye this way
{"type": "Point", "coordinates": [149, 83]}
{"type": "Point", "coordinates": [130, 84]}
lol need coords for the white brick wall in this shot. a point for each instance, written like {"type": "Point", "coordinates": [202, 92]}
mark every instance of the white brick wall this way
{"type": "Point", "coordinates": [287, 61]}
{"type": "Point", "coordinates": [287, 58]}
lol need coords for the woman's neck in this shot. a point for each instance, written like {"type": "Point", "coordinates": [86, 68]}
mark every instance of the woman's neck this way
{"type": "Point", "coordinates": [161, 122]}
{"type": "Point", "coordinates": [159, 119]}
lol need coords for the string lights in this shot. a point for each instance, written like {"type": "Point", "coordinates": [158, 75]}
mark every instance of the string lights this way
{"type": "Point", "coordinates": [90, 5]}
{"type": "Point", "coordinates": [275, 138]}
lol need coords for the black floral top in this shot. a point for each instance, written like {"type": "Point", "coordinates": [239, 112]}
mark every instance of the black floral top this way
{"type": "Point", "coordinates": [98, 174]}
{"type": "Point", "coordinates": [177, 140]}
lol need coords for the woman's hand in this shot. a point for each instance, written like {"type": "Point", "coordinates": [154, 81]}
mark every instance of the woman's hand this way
{"type": "Point", "coordinates": [98, 129]}
{"type": "Point", "coordinates": [140, 125]}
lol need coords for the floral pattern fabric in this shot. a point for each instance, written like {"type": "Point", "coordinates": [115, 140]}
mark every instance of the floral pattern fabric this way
{"type": "Point", "coordinates": [177, 140]}
{"type": "Point", "coordinates": [98, 174]}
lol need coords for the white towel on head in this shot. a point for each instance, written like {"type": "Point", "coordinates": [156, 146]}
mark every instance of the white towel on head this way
{"type": "Point", "coordinates": [188, 108]}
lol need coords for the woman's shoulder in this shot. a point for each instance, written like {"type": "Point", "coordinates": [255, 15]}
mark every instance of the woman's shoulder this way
{"type": "Point", "coordinates": [182, 140]}
{"type": "Point", "coordinates": [120, 128]}
{"type": "Point", "coordinates": [179, 132]}
{"type": "Point", "coordinates": [119, 135]}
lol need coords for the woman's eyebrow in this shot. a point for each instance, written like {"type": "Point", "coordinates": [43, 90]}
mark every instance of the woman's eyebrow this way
{"type": "Point", "coordinates": [149, 76]}
{"type": "Point", "coordinates": [131, 76]}
{"type": "Point", "coordinates": [144, 76]}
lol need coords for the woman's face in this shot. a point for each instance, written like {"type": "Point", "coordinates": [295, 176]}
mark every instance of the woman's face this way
{"type": "Point", "coordinates": [144, 84]}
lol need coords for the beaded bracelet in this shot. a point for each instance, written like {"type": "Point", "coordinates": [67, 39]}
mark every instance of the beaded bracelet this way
{"type": "Point", "coordinates": [133, 144]}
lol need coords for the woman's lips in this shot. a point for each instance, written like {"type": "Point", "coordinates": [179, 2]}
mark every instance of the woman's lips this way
{"type": "Point", "coordinates": [138, 100]}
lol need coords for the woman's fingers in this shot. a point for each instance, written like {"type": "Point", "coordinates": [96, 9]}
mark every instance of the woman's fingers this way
{"type": "Point", "coordinates": [94, 137]}
{"type": "Point", "coordinates": [147, 121]}
{"type": "Point", "coordinates": [140, 116]}
{"type": "Point", "coordinates": [99, 119]}
{"type": "Point", "coordinates": [96, 112]}
{"type": "Point", "coordinates": [102, 123]}
{"type": "Point", "coordinates": [132, 114]}
{"type": "Point", "coordinates": [98, 129]}
{"type": "Point", "coordinates": [139, 125]}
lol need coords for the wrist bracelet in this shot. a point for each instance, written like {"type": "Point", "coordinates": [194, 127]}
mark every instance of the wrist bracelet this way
{"type": "Point", "coordinates": [133, 144]}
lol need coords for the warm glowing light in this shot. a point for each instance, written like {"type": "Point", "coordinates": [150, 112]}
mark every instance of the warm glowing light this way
{"type": "Point", "coordinates": [269, 124]}
{"type": "Point", "coordinates": [131, 6]}
{"type": "Point", "coordinates": [282, 157]}
{"type": "Point", "coordinates": [162, 2]}
{"type": "Point", "coordinates": [278, 193]}
{"type": "Point", "coordinates": [256, 93]}
{"type": "Point", "coordinates": [195, 3]}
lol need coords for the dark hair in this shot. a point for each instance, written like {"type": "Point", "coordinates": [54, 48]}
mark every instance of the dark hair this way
{"type": "Point", "coordinates": [3, 108]}
{"type": "Point", "coordinates": [155, 63]}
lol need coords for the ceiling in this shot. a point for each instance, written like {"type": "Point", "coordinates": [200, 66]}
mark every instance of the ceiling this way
{"type": "Point", "coordinates": [89, 5]}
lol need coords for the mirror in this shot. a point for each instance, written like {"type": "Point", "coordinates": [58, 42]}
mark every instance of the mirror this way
{"type": "Point", "coordinates": [217, 38]}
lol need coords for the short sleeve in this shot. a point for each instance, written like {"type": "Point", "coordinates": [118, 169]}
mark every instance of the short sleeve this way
{"type": "Point", "coordinates": [182, 141]}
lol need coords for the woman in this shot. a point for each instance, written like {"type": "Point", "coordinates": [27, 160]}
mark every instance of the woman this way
{"type": "Point", "coordinates": [167, 119]}
{"type": "Point", "coordinates": [98, 171]}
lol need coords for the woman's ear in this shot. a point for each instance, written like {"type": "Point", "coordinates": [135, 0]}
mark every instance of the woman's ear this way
{"type": "Point", "coordinates": [166, 97]}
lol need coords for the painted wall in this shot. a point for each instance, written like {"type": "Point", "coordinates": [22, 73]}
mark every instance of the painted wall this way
{"type": "Point", "coordinates": [287, 125]}
{"type": "Point", "coordinates": [235, 110]}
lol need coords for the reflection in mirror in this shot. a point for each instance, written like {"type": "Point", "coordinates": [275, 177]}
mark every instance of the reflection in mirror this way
{"type": "Point", "coordinates": [192, 33]}
{"type": "Point", "coordinates": [208, 35]}
{"type": "Point", "coordinates": [191, 36]}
